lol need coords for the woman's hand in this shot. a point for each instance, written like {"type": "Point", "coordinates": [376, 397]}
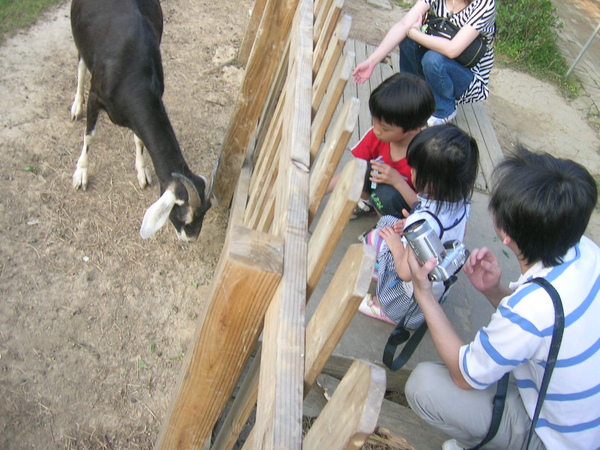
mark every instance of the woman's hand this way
{"type": "Point", "coordinates": [363, 72]}
{"type": "Point", "coordinates": [418, 23]}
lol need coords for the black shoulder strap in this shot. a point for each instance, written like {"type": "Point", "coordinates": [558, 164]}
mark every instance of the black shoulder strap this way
{"type": "Point", "coordinates": [400, 335]}
{"type": "Point", "coordinates": [557, 334]}
{"type": "Point", "coordinates": [499, 398]}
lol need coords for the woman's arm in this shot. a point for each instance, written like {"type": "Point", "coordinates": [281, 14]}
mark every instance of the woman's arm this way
{"type": "Point", "coordinates": [394, 36]}
{"type": "Point", "coordinates": [450, 48]}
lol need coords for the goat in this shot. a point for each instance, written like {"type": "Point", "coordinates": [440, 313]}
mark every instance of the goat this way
{"type": "Point", "coordinates": [118, 43]}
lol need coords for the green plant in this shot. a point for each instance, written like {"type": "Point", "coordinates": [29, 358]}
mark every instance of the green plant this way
{"type": "Point", "coordinates": [17, 14]}
{"type": "Point", "coordinates": [527, 41]}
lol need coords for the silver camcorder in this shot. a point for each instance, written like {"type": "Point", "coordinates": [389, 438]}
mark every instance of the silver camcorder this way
{"type": "Point", "coordinates": [426, 244]}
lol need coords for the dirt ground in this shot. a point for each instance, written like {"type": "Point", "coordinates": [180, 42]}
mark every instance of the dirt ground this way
{"type": "Point", "coordinates": [94, 321]}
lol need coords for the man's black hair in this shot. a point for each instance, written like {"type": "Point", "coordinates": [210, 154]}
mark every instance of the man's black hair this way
{"type": "Point", "coordinates": [543, 203]}
{"type": "Point", "coordinates": [403, 100]}
{"type": "Point", "coordinates": [446, 160]}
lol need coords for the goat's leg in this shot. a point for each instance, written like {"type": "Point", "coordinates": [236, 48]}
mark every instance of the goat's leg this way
{"type": "Point", "coordinates": [143, 171]}
{"type": "Point", "coordinates": [77, 106]}
{"type": "Point", "coordinates": [80, 176]}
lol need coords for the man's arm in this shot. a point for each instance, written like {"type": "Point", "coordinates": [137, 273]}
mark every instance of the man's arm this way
{"type": "Point", "coordinates": [446, 340]}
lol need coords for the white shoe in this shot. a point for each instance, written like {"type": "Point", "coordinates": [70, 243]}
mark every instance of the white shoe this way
{"type": "Point", "coordinates": [433, 121]}
{"type": "Point", "coordinates": [451, 444]}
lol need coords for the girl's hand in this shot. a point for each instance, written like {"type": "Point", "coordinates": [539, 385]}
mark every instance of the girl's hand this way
{"type": "Point", "coordinates": [401, 223]}
{"type": "Point", "coordinates": [391, 238]}
{"type": "Point", "coordinates": [483, 271]}
{"type": "Point", "coordinates": [363, 72]}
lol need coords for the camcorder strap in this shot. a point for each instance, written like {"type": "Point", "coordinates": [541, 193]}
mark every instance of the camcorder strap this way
{"type": "Point", "coordinates": [400, 335]}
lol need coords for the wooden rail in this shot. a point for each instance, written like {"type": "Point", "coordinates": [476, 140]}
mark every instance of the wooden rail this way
{"type": "Point", "coordinates": [281, 150]}
{"type": "Point", "coordinates": [296, 116]}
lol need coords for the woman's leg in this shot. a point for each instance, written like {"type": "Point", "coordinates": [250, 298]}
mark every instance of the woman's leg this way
{"type": "Point", "coordinates": [448, 80]}
{"type": "Point", "coordinates": [411, 55]}
{"type": "Point", "coordinates": [466, 414]}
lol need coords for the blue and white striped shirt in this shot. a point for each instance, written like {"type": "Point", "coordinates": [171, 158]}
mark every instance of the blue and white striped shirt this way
{"type": "Point", "coordinates": [518, 337]}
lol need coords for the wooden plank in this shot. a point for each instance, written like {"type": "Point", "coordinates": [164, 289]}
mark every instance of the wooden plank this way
{"type": "Point", "coordinates": [250, 36]}
{"type": "Point", "coordinates": [364, 92]}
{"type": "Point", "coordinates": [321, 7]}
{"type": "Point", "coordinates": [351, 415]}
{"type": "Point", "coordinates": [330, 61]}
{"type": "Point", "coordinates": [396, 420]}
{"type": "Point", "coordinates": [243, 285]}
{"type": "Point", "coordinates": [279, 411]}
{"type": "Point", "coordinates": [331, 154]}
{"type": "Point", "coordinates": [319, 246]}
{"type": "Point", "coordinates": [271, 40]}
{"type": "Point", "coordinates": [323, 32]}
{"type": "Point", "coordinates": [240, 197]}
{"type": "Point", "coordinates": [463, 122]}
{"type": "Point", "coordinates": [338, 365]}
{"type": "Point", "coordinates": [324, 115]}
{"type": "Point", "coordinates": [337, 308]}
{"type": "Point", "coordinates": [333, 220]}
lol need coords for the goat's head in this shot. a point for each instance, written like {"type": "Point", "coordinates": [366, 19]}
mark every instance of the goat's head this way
{"type": "Point", "coordinates": [185, 200]}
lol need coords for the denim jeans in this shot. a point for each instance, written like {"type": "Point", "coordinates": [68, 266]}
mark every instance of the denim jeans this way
{"type": "Point", "coordinates": [447, 78]}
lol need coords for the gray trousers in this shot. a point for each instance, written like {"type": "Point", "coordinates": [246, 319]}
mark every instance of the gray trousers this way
{"type": "Point", "coordinates": [465, 415]}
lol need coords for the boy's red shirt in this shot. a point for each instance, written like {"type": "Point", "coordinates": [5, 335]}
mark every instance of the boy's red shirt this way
{"type": "Point", "coordinates": [369, 147]}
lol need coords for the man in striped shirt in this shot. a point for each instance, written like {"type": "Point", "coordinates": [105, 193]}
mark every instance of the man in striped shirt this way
{"type": "Point", "coordinates": [541, 207]}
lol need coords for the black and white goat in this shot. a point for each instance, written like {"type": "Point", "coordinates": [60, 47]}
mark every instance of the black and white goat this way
{"type": "Point", "coordinates": [118, 42]}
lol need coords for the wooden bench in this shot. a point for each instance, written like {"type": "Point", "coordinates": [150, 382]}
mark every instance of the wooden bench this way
{"type": "Point", "coordinates": [472, 117]}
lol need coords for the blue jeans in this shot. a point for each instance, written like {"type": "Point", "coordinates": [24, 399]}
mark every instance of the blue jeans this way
{"type": "Point", "coordinates": [447, 78]}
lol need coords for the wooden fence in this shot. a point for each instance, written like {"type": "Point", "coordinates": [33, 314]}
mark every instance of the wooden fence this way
{"type": "Point", "coordinates": [280, 152]}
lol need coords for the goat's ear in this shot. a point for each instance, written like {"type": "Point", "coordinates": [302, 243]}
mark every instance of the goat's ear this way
{"type": "Point", "coordinates": [158, 214]}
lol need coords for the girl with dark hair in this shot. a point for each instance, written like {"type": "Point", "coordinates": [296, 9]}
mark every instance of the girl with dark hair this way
{"type": "Point", "coordinates": [444, 161]}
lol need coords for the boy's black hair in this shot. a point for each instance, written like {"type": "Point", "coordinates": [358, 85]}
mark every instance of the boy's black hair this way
{"type": "Point", "coordinates": [543, 203]}
{"type": "Point", "coordinates": [403, 100]}
{"type": "Point", "coordinates": [446, 160]}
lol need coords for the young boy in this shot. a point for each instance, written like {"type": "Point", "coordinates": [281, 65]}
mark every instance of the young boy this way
{"type": "Point", "coordinates": [400, 107]}
{"type": "Point", "coordinates": [541, 207]}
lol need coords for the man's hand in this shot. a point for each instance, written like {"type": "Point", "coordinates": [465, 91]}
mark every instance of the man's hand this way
{"type": "Point", "coordinates": [484, 272]}
{"type": "Point", "coordinates": [420, 277]}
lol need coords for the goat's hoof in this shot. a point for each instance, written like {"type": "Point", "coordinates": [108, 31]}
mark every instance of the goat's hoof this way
{"type": "Point", "coordinates": [144, 178]}
{"type": "Point", "coordinates": [80, 179]}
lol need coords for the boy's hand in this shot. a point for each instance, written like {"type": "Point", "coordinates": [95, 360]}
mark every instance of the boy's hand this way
{"type": "Point", "coordinates": [483, 271]}
{"type": "Point", "coordinates": [382, 173]}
